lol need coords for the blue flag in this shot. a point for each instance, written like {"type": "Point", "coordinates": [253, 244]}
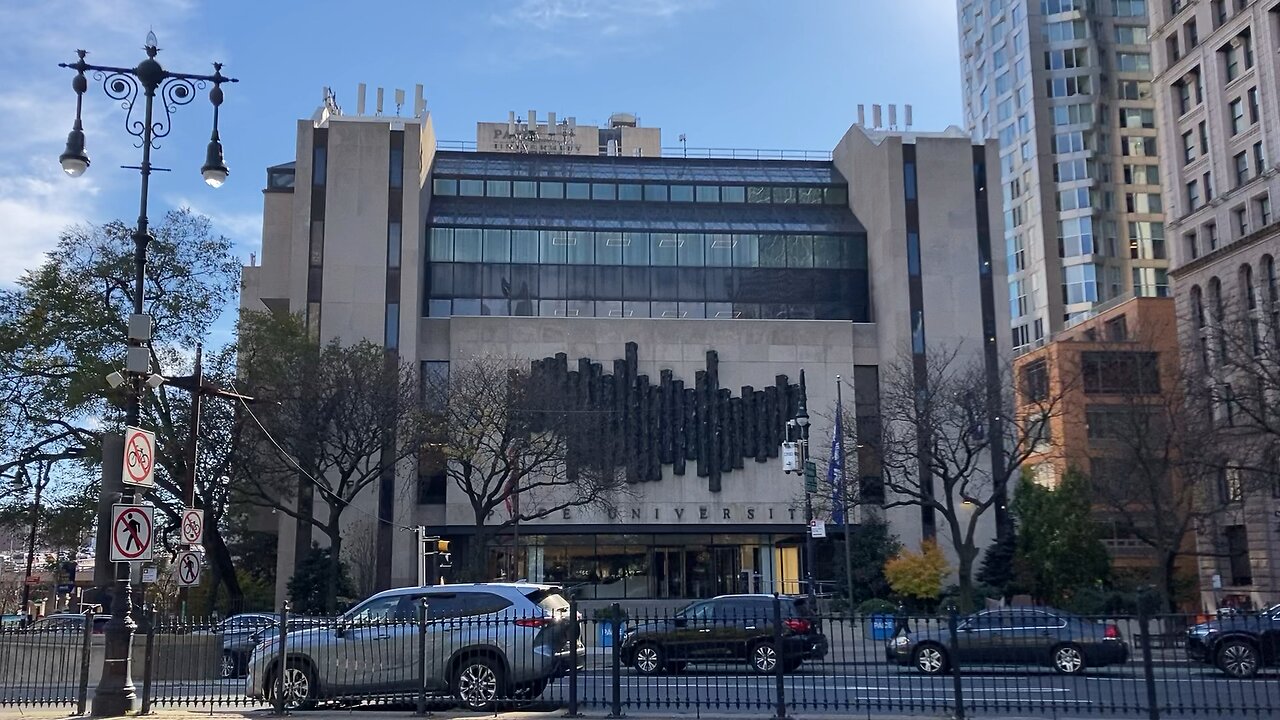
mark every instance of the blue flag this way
{"type": "Point", "coordinates": [835, 469]}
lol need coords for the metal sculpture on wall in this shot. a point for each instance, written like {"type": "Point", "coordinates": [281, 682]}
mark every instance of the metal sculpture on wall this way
{"type": "Point", "coordinates": [670, 424]}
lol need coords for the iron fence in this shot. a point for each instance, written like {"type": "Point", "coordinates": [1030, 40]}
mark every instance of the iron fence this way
{"type": "Point", "coordinates": [771, 659]}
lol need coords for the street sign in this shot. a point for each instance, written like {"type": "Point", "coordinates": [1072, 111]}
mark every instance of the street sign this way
{"type": "Point", "coordinates": [149, 574]}
{"type": "Point", "coordinates": [33, 580]}
{"type": "Point", "coordinates": [66, 588]}
{"type": "Point", "coordinates": [139, 457]}
{"type": "Point", "coordinates": [192, 526]}
{"type": "Point", "coordinates": [131, 532]}
{"type": "Point", "coordinates": [817, 529]}
{"type": "Point", "coordinates": [188, 569]}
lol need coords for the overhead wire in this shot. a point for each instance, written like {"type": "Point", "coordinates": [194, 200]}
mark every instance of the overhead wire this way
{"type": "Point", "coordinates": [298, 466]}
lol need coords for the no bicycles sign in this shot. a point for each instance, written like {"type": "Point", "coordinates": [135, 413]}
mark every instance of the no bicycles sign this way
{"type": "Point", "coordinates": [139, 457]}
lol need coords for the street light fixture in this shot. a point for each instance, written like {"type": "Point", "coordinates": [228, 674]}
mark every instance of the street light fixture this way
{"type": "Point", "coordinates": [115, 693]}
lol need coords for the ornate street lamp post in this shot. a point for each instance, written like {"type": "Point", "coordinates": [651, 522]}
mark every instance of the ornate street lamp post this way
{"type": "Point", "coordinates": [115, 693]}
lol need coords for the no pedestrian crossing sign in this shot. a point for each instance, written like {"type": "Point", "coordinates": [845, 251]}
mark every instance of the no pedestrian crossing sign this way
{"type": "Point", "coordinates": [131, 532]}
{"type": "Point", "coordinates": [139, 457]}
{"type": "Point", "coordinates": [188, 569]}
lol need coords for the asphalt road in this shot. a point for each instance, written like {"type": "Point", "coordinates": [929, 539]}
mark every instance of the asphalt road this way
{"type": "Point", "coordinates": [1181, 690]}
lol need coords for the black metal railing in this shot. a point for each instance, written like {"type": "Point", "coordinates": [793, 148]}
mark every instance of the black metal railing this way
{"type": "Point", "coordinates": [772, 659]}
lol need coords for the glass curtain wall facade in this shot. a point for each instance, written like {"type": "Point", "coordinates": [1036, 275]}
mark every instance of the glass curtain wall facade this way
{"type": "Point", "coordinates": [531, 235]}
{"type": "Point", "coordinates": [1065, 86]}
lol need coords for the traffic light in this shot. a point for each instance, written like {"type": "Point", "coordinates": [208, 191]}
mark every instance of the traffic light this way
{"type": "Point", "coordinates": [810, 477]}
{"type": "Point", "coordinates": [442, 549]}
{"type": "Point", "coordinates": [69, 568]}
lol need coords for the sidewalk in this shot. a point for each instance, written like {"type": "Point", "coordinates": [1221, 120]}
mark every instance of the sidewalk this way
{"type": "Point", "coordinates": [594, 714]}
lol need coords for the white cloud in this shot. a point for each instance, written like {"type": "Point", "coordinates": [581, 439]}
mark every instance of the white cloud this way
{"type": "Point", "coordinates": [244, 228]}
{"type": "Point", "coordinates": [552, 14]}
{"type": "Point", "coordinates": [36, 200]}
{"type": "Point", "coordinates": [546, 29]}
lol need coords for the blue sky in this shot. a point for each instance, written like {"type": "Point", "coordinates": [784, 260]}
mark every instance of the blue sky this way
{"type": "Point", "coordinates": [728, 73]}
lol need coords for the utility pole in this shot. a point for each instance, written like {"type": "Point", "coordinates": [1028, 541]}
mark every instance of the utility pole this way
{"type": "Point", "coordinates": [844, 489]}
{"type": "Point", "coordinates": [798, 437]}
{"type": "Point", "coordinates": [199, 387]}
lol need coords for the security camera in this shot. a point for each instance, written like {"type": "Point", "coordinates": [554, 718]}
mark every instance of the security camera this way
{"type": "Point", "coordinates": [115, 379]}
{"type": "Point", "coordinates": [155, 381]}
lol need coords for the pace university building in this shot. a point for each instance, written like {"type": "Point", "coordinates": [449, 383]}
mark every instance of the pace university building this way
{"type": "Point", "coordinates": [593, 248]}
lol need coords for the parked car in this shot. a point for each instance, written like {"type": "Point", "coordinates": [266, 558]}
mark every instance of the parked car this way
{"type": "Point", "coordinates": [238, 646]}
{"type": "Point", "coordinates": [67, 623]}
{"type": "Point", "coordinates": [1238, 644]}
{"type": "Point", "coordinates": [726, 629]}
{"type": "Point", "coordinates": [488, 642]}
{"type": "Point", "coordinates": [1013, 636]}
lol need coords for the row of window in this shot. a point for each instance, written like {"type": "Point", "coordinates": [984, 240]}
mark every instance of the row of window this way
{"type": "Point", "coordinates": [1206, 239]}
{"type": "Point", "coordinates": [503, 307]}
{"type": "Point", "coordinates": [637, 192]}
{"type": "Point", "coordinates": [584, 247]}
{"type": "Point", "coordinates": [552, 282]}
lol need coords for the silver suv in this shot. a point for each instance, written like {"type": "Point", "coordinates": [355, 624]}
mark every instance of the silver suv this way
{"type": "Point", "coordinates": [485, 643]}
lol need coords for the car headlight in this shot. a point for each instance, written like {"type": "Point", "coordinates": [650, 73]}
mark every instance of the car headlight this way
{"type": "Point", "coordinates": [1198, 631]}
{"type": "Point", "coordinates": [900, 641]}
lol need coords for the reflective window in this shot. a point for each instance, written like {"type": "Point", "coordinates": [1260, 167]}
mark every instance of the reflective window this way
{"type": "Point", "coordinates": [707, 193]}
{"type": "Point", "coordinates": [655, 192]}
{"type": "Point", "coordinates": [524, 246]}
{"type": "Point", "coordinates": [662, 249]}
{"type": "Point", "coordinates": [810, 195]}
{"type": "Point", "coordinates": [635, 248]}
{"type": "Point", "coordinates": [828, 251]}
{"type": "Point", "coordinates": [524, 189]}
{"type": "Point", "coordinates": [773, 251]}
{"type": "Point", "coordinates": [467, 245]}
{"type": "Point", "coordinates": [630, 192]}
{"type": "Point", "coordinates": [441, 249]}
{"type": "Point", "coordinates": [746, 251]}
{"type": "Point", "coordinates": [836, 196]}
{"type": "Point", "coordinates": [444, 186]}
{"type": "Point", "coordinates": [604, 191]}
{"type": "Point", "coordinates": [733, 194]}
{"type": "Point", "coordinates": [551, 190]}
{"type": "Point", "coordinates": [471, 188]}
{"type": "Point", "coordinates": [784, 195]}
{"type": "Point", "coordinates": [719, 250]}
{"type": "Point", "coordinates": [800, 251]}
{"type": "Point", "coordinates": [552, 246]}
{"type": "Point", "coordinates": [609, 248]}
{"type": "Point", "coordinates": [577, 191]}
{"type": "Point", "coordinates": [681, 193]}
{"type": "Point", "coordinates": [581, 247]}
{"type": "Point", "coordinates": [759, 194]}
{"type": "Point", "coordinates": [497, 246]}
{"type": "Point", "coordinates": [690, 251]}
{"type": "Point", "coordinates": [497, 188]}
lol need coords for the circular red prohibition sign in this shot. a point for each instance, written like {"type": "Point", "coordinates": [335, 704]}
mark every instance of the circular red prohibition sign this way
{"type": "Point", "coordinates": [139, 454]}
{"type": "Point", "coordinates": [132, 533]}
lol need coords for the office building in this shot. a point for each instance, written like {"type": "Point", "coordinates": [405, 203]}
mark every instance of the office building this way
{"type": "Point", "coordinates": [1065, 88]}
{"type": "Point", "coordinates": [727, 275]}
{"type": "Point", "coordinates": [1215, 85]}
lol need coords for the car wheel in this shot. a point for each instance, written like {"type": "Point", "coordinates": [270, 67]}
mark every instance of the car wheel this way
{"type": "Point", "coordinates": [648, 659]}
{"type": "Point", "coordinates": [229, 667]}
{"type": "Point", "coordinates": [477, 683]}
{"type": "Point", "coordinates": [1238, 658]}
{"type": "Point", "coordinates": [299, 686]}
{"type": "Point", "coordinates": [930, 659]}
{"type": "Point", "coordinates": [1068, 660]}
{"type": "Point", "coordinates": [763, 657]}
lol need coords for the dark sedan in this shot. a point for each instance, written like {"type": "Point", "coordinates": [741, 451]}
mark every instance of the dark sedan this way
{"type": "Point", "coordinates": [1239, 645]}
{"type": "Point", "coordinates": [1014, 636]}
{"type": "Point", "coordinates": [238, 646]}
{"type": "Point", "coordinates": [727, 629]}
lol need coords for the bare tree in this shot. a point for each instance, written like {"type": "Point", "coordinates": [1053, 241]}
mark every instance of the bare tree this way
{"type": "Point", "coordinates": [517, 448]}
{"type": "Point", "coordinates": [362, 555]}
{"type": "Point", "coordinates": [952, 443]}
{"type": "Point", "coordinates": [338, 419]}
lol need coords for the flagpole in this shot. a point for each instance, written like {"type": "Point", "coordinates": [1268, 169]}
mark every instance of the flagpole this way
{"type": "Point", "coordinates": [844, 496]}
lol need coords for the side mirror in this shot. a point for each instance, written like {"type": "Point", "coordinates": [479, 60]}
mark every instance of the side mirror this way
{"type": "Point", "coordinates": [340, 628]}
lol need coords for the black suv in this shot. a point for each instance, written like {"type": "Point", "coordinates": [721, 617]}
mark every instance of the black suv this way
{"type": "Point", "coordinates": [726, 629]}
{"type": "Point", "coordinates": [1239, 645]}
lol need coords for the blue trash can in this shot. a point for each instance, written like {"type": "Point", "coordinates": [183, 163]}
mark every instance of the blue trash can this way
{"type": "Point", "coordinates": [606, 632]}
{"type": "Point", "coordinates": [882, 627]}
